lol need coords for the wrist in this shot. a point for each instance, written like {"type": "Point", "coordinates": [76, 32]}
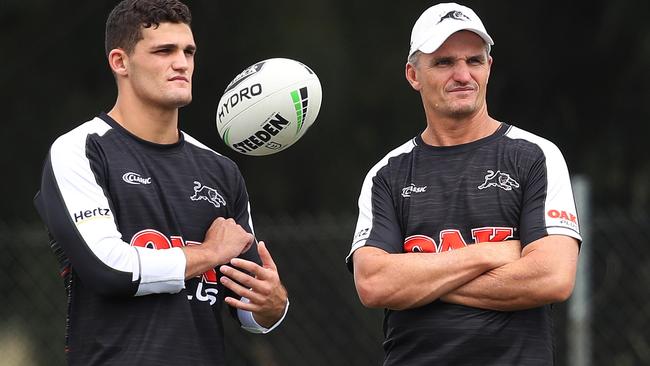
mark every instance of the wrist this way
{"type": "Point", "coordinates": [196, 261]}
{"type": "Point", "coordinates": [256, 323]}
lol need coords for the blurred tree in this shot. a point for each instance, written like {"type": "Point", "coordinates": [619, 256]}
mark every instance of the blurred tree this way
{"type": "Point", "coordinates": [574, 72]}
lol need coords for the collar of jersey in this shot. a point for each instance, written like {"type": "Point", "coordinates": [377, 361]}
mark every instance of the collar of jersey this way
{"type": "Point", "coordinates": [108, 119]}
{"type": "Point", "coordinates": [443, 150]}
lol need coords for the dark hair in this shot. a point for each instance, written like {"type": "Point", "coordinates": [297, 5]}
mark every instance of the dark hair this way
{"type": "Point", "coordinates": [124, 24]}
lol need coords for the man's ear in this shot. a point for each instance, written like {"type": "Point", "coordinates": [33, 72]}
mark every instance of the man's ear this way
{"type": "Point", "coordinates": [118, 60]}
{"type": "Point", "coordinates": [411, 76]}
{"type": "Point", "coordinates": [490, 61]}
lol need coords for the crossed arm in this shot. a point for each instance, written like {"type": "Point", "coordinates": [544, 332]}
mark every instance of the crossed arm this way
{"type": "Point", "coordinates": [496, 276]}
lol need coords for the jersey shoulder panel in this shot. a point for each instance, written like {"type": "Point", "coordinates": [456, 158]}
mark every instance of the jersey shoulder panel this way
{"type": "Point", "coordinates": [559, 211]}
{"type": "Point", "coordinates": [76, 138]}
{"type": "Point", "coordinates": [401, 150]}
{"type": "Point", "coordinates": [199, 144]}
{"type": "Point", "coordinates": [549, 149]}
{"type": "Point", "coordinates": [219, 158]}
{"type": "Point", "coordinates": [376, 209]}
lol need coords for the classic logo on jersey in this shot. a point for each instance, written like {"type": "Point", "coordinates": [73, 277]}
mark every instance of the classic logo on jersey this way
{"type": "Point", "coordinates": [498, 179]}
{"type": "Point", "coordinates": [206, 193]}
{"type": "Point", "coordinates": [454, 14]}
{"type": "Point", "coordinates": [451, 239]}
{"type": "Point", "coordinates": [135, 178]}
{"type": "Point", "coordinates": [564, 218]}
{"type": "Point", "coordinates": [409, 190]}
{"type": "Point", "coordinates": [153, 239]}
{"type": "Point", "coordinates": [83, 215]}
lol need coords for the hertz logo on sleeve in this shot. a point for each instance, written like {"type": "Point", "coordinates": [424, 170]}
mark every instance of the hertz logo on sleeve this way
{"type": "Point", "coordinates": [83, 215]}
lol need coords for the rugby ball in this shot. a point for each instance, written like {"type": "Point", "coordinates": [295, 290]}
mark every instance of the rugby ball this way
{"type": "Point", "coordinates": [268, 106]}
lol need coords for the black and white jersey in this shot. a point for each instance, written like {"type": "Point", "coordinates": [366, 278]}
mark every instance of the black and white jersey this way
{"type": "Point", "coordinates": [118, 210]}
{"type": "Point", "coordinates": [419, 198]}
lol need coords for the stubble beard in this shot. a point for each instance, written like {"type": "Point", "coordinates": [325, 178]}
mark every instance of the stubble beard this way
{"type": "Point", "coordinates": [176, 99]}
{"type": "Point", "coordinates": [460, 111]}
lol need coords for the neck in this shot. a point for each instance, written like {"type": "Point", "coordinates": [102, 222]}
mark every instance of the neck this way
{"type": "Point", "coordinates": [150, 123]}
{"type": "Point", "coordinates": [449, 131]}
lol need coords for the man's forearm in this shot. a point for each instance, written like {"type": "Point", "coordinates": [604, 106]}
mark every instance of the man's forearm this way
{"type": "Point", "coordinates": [544, 274]}
{"type": "Point", "coordinates": [409, 280]}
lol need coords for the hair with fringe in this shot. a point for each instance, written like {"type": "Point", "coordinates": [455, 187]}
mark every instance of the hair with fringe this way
{"type": "Point", "coordinates": [125, 23]}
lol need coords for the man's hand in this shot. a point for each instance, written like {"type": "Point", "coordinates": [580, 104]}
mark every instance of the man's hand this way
{"type": "Point", "coordinates": [259, 284]}
{"type": "Point", "coordinates": [224, 240]}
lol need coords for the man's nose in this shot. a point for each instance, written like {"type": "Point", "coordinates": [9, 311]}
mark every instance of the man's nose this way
{"type": "Point", "coordinates": [180, 61]}
{"type": "Point", "coordinates": [462, 72]}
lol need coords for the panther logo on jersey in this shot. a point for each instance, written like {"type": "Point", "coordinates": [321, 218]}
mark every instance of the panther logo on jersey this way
{"type": "Point", "coordinates": [498, 179]}
{"type": "Point", "coordinates": [202, 192]}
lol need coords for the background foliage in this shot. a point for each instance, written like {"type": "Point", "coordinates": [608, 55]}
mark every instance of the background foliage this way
{"type": "Point", "coordinates": [575, 72]}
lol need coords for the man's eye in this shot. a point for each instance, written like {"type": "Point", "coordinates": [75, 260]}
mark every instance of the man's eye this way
{"type": "Point", "coordinates": [443, 63]}
{"type": "Point", "coordinates": [475, 61]}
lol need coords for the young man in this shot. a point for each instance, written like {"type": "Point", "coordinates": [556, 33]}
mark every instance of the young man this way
{"type": "Point", "coordinates": [152, 228]}
{"type": "Point", "coordinates": [468, 232]}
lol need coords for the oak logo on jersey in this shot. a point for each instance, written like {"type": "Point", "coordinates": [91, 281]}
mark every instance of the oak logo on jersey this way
{"type": "Point", "coordinates": [409, 190]}
{"type": "Point", "coordinates": [564, 218]}
{"type": "Point", "coordinates": [135, 178]}
{"type": "Point", "coordinates": [499, 179]}
{"type": "Point", "coordinates": [202, 192]}
{"type": "Point", "coordinates": [451, 239]}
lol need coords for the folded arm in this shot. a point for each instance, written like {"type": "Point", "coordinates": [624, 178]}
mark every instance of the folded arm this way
{"type": "Point", "coordinates": [408, 280]}
{"type": "Point", "coordinates": [544, 274]}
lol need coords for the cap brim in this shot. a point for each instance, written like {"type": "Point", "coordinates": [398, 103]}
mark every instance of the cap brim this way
{"type": "Point", "coordinates": [433, 43]}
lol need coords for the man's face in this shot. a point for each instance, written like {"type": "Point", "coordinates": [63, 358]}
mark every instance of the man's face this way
{"type": "Point", "coordinates": [161, 65]}
{"type": "Point", "coordinates": [453, 80]}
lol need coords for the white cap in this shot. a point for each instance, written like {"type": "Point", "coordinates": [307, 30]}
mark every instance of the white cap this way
{"type": "Point", "coordinates": [439, 22]}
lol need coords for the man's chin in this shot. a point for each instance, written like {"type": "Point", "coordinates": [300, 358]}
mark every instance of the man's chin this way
{"type": "Point", "coordinates": [462, 112]}
{"type": "Point", "coordinates": [180, 102]}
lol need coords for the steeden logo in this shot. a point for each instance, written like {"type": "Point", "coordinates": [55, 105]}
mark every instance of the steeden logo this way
{"type": "Point", "coordinates": [135, 178]}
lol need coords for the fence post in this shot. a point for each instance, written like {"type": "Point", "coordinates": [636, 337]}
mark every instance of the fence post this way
{"type": "Point", "coordinates": [579, 306]}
